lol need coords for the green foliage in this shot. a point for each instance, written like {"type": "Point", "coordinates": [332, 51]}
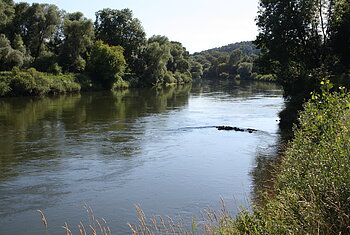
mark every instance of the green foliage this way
{"type": "Point", "coordinates": [165, 62]}
{"type": "Point", "coordinates": [313, 183]}
{"type": "Point", "coordinates": [6, 12]}
{"type": "Point", "coordinates": [9, 57]}
{"type": "Point", "coordinates": [224, 62]}
{"type": "Point", "coordinates": [28, 83]}
{"type": "Point", "coordinates": [106, 64]}
{"type": "Point", "coordinates": [247, 48]}
{"type": "Point", "coordinates": [304, 41]}
{"type": "Point", "coordinates": [245, 70]}
{"type": "Point", "coordinates": [32, 82]}
{"type": "Point", "coordinates": [4, 84]}
{"type": "Point", "coordinates": [84, 80]}
{"type": "Point", "coordinates": [196, 69]}
{"type": "Point", "coordinates": [156, 56]}
{"type": "Point", "coordinates": [50, 40]}
{"type": "Point", "coordinates": [47, 62]}
{"type": "Point", "coordinates": [119, 28]}
{"type": "Point", "coordinates": [340, 35]}
{"type": "Point", "coordinates": [53, 41]}
{"type": "Point", "coordinates": [120, 84]}
{"type": "Point", "coordinates": [36, 25]}
{"type": "Point", "coordinates": [79, 34]}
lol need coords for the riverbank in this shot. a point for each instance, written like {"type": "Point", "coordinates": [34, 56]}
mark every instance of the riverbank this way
{"type": "Point", "coordinates": [312, 188]}
{"type": "Point", "coordinates": [31, 82]}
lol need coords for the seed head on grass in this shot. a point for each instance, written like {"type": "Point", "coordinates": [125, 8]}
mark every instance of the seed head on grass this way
{"type": "Point", "coordinates": [44, 221]}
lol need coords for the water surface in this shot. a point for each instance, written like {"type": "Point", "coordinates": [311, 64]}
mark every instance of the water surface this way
{"type": "Point", "coordinates": [112, 150]}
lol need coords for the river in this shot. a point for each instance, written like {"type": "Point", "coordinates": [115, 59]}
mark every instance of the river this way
{"type": "Point", "coordinates": [157, 148]}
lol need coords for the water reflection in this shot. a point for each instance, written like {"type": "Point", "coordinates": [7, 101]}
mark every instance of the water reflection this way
{"type": "Point", "coordinates": [40, 135]}
{"type": "Point", "coordinates": [144, 146]}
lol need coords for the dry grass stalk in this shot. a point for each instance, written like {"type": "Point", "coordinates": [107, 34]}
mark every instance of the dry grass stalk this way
{"type": "Point", "coordinates": [43, 218]}
{"type": "Point", "coordinates": [132, 229]}
{"type": "Point", "coordinates": [163, 224]}
{"type": "Point", "coordinates": [93, 230]}
{"type": "Point", "coordinates": [68, 231]}
{"type": "Point", "coordinates": [82, 229]}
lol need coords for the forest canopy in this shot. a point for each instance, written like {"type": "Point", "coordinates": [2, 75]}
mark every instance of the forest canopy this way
{"type": "Point", "coordinates": [304, 42]}
{"type": "Point", "coordinates": [112, 49]}
{"type": "Point", "coordinates": [233, 61]}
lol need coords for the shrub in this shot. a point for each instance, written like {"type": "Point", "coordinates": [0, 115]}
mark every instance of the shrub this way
{"type": "Point", "coordinates": [120, 84]}
{"type": "Point", "coordinates": [4, 88]}
{"type": "Point", "coordinates": [169, 78]}
{"type": "Point", "coordinates": [22, 83]}
{"type": "Point", "coordinates": [32, 82]}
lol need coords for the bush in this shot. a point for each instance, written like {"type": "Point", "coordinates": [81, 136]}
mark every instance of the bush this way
{"type": "Point", "coordinates": [244, 70]}
{"type": "Point", "coordinates": [4, 88]}
{"type": "Point", "coordinates": [32, 82]}
{"type": "Point", "coordinates": [63, 83]}
{"type": "Point", "coordinates": [169, 78]}
{"type": "Point", "coordinates": [22, 83]}
{"type": "Point", "coordinates": [120, 84]}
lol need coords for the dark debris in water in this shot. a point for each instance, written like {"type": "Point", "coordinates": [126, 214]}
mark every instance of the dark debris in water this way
{"type": "Point", "coordinates": [233, 128]}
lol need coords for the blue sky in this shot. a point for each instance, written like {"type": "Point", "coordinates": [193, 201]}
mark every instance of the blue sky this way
{"type": "Point", "coordinates": [197, 24]}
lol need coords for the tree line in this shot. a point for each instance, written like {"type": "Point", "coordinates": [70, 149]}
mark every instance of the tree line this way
{"type": "Point", "coordinates": [304, 42]}
{"type": "Point", "coordinates": [112, 51]}
{"type": "Point", "coordinates": [233, 61]}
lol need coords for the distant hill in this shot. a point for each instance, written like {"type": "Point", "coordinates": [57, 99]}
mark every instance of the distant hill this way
{"type": "Point", "coordinates": [247, 47]}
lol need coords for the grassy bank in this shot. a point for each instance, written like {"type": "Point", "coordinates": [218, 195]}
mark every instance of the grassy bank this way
{"type": "Point", "coordinates": [312, 188]}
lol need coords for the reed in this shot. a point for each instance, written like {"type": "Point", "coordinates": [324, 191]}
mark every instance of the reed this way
{"type": "Point", "coordinates": [95, 227]}
{"type": "Point", "coordinates": [210, 222]}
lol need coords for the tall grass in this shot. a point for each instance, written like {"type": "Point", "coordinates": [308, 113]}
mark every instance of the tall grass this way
{"type": "Point", "coordinates": [210, 222]}
{"type": "Point", "coordinates": [93, 226]}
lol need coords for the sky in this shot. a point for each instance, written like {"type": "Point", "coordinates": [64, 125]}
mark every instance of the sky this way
{"type": "Point", "coordinates": [197, 24]}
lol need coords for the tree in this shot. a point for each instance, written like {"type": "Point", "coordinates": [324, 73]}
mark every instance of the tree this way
{"type": "Point", "coordinates": [244, 70]}
{"type": "Point", "coordinates": [6, 13]}
{"type": "Point", "coordinates": [179, 60]}
{"type": "Point", "coordinates": [196, 69]}
{"type": "Point", "coordinates": [294, 37]}
{"type": "Point", "coordinates": [340, 35]}
{"type": "Point", "coordinates": [78, 37]}
{"type": "Point", "coordinates": [106, 64]}
{"type": "Point", "coordinates": [156, 56]}
{"type": "Point", "coordinates": [9, 57]}
{"type": "Point", "coordinates": [118, 27]}
{"type": "Point", "coordinates": [41, 20]}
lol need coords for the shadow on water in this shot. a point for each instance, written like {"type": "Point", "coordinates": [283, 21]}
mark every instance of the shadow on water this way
{"type": "Point", "coordinates": [39, 136]}
{"type": "Point", "coordinates": [28, 123]}
{"type": "Point", "coordinates": [267, 161]}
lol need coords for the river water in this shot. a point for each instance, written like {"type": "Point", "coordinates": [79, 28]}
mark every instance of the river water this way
{"type": "Point", "coordinates": [113, 150]}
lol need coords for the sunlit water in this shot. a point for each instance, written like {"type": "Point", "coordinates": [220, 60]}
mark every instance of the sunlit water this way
{"type": "Point", "coordinates": [153, 147]}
